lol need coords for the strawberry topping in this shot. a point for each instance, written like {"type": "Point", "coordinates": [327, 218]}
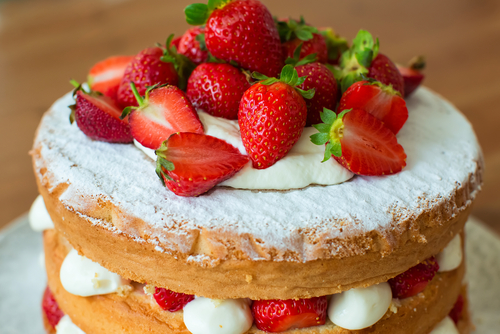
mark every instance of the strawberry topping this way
{"type": "Point", "coordinates": [171, 301]}
{"type": "Point", "coordinates": [191, 47]}
{"type": "Point", "coordinates": [106, 75]}
{"type": "Point", "coordinates": [412, 75]}
{"type": "Point", "coordinates": [414, 280]}
{"type": "Point", "coordinates": [51, 308]}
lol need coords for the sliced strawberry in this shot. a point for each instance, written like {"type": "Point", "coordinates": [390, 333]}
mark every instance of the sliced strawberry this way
{"type": "Point", "coordinates": [360, 142]}
{"type": "Point", "coordinates": [414, 280]}
{"type": "Point", "coordinates": [171, 301]}
{"type": "Point", "coordinates": [105, 76]}
{"type": "Point", "coordinates": [190, 164]}
{"type": "Point", "coordinates": [98, 116]}
{"type": "Point", "coordinates": [412, 75]}
{"type": "Point", "coordinates": [280, 315]}
{"type": "Point", "coordinates": [380, 100]}
{"type": "Point", "coordinates": [457, 310]}
{"type": "Point", "coordinates": [51, 308]}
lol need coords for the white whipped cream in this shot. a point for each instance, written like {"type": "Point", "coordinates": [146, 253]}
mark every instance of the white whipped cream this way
{"type": "Point", "coordinates": [39, 217]}
{"type": "Point", "coordinates": [83, 277]}
{"type": "Point", "coordinates": [66, 326]}
{"type": "Point", "coordinates": [451, 256]}
{"type": "Point", "coordinates": [360, 308]}
{"type": "Point", "coordinates": [446, 326]}
{"type": "Point", "coordinates": [210, 316]}
{"type": "Point", "coordinates": [301, 167]}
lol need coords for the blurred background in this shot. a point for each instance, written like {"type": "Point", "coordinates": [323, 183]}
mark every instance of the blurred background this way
{"type": "Point", "coordinates": [44, 43]}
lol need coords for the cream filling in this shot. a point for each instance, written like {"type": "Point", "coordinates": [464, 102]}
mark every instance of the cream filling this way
{"type": "Point", "coordinates": [66, 326]}
{"type": "Point", "coordinates": [451, 256]}
{"type": "Point", "coordinates": [446, 326]}
{"type": "Point", "coordinates": [39, 217]}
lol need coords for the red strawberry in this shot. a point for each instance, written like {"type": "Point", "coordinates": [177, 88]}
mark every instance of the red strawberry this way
{"type": "Point", "coordinates": [106, 75]}
{"type": "Point", "coordinates": [315, 45]}
{"type": "Point", "coordinates": [217, 89]}
{"type": "Point", "coordinates": [359, 142]}
{"type": "Point", "coordinates": [176, 41]}
{"type": "Point", "coordinates": [414, 280]}
{"type": "Point", "coordinates": [335, 45]}
{"type": "Point", "coordinates": [51, 309]}
{"type": "Point", "coordinates": [190, 164]}
{"type": "Point", "coordinates": [272, 116]}
{"type": "Point", "coordinates": [380, 100]}
{"type": "Point", "coordinates": [242, 31]}
{"type": "Point", "coordinates": [145, 70]}
{"type": "Point", "coordinates": [163, 111]}
{"type": "Point", "coordinates": [170, 300]}
{"type": "Point", "coordinates": [190, 46]}
{"type": "Point", "coordinates": [457, 310]}
{"type": "Point", "coordinates": [364, 59]}
{"type": "Point", "coordinates": [98, 116]}
{"type": "Point", "coordinates": [412, 74]}
{"type": "Point", "coordinates": [280, 315]}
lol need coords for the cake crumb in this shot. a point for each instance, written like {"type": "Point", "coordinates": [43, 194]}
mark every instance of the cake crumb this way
{"type": "Point", "coordinates": [149, 289]}
{"type": "Point", "coordinates": [124, 290]}
{"type": "Point", "coordinates": [249, 278]}
{"type": "Point", "coordinates": [395, 304]}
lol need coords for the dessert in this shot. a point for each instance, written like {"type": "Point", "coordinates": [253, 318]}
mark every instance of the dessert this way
{"type": "Point", "coordinates": [241, 235]}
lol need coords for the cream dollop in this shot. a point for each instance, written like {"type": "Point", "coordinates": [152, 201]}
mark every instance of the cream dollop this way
{"type": "Point", "coordinates": [301, 167]}
{"type": "Point", "coordinates": [210, 316]}
{"type": "Point", "coordinates": [39, 217]}
{"type": "Point", "coordinates": [360, 308]}
{"type": "Point", "coordinates": [66, 326]}
{"type": "Point", "coordinates": [451, 256]}
{"type": "Point", "coordinates": [83, 277]}
{"type": "Point", "coordinates": [446, 326]}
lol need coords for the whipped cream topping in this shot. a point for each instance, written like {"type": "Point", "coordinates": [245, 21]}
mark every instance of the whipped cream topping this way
{"type": "Point", "coordinates": [83, 277]}
{"type": "Point", "coordinates": [360, 308]}
{"type": "Point", "coordinates": [301, 167]}
{"type": "Point", "coordinates": [211, 316]}
{"type": "Point", "coordinates": [39, 217]}
{"type": "Point", "coordinates": [445, 326]}
{"type": "Point", "coordinates": [66, 326]}
{"type": "Point", "coordinates": [451, 256]}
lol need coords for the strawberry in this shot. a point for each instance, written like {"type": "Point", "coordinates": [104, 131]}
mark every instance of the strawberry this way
{"type": "Point", "coordinates": [359, 142]}
{"type": "Point", "coordinates": [171, 301]}
{"type": "Point", "coordinates": [294, 33]}
{"type": "Point", "coordinates": [272, 116]}
{"type": "Point", "coordinates": [412, 75]}
{"type": "Point", "coordinates": [163, 111]}
{"type": "Point", "coordinates": [192, 45]}
{"type": "Point", "coordinates": [241, 31]}
{"type": "Point", "coordinates": [280, 315]}
{"type": "Point", "coordinates": [176, 41]}
{"type": "Point", "coordinates": [414, 280]}
{"type": "Point", "coordinates": [217, 89]}
{"type": "Point", "coordinates": [106, 75]}
{"type": "Point", "coordinates": [380, 100]}
{"type": "Point", "coordinates": [190, 164]}
{"type": "Point", "coordinates": [98, 116]}
{"type": "Point", "coordinates": [457, 310]}
{"type": "Point", "coordinates": [51, 309]}
{"type": "Point", "coordinates": [363, 58]}
{"type": "Point", "coordinates": [335, 45]}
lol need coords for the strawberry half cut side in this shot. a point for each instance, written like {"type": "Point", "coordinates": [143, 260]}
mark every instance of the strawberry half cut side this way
{"type": "Point", "coordinates": [414, 280]}
{"type": "Point", "coordinates": [359, 142]}
{"type": "Point", "coordinates": [276, 316]}
{"type": "Point", "coordinates": [380, 100]}
{"type": "Point", "coordinates": [106, 75]}
{"type": "Point", "coordinates": [163, 111]}
{"type": "Point", "coordinates": [171, 301]}
{"type": "Point", "coordinates": [51, 309]}
{"type": "Point", "coordinates": [190, 164]}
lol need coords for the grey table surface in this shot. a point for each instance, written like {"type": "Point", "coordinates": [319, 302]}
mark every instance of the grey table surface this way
{"type": "Point", "coordinates": [23, 279]}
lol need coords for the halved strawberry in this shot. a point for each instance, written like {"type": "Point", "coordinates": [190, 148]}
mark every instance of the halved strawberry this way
{"type": "Point", "coordinates": [457, 310]}
{"type": "Point", "coordinates": [171, 301]}
{"type": "Point", "coordinates": [163, 111]}
{"type": "Point", "coordinates": [380, 100]}
{"type": "Point", "coordinates": [105, 76]}
{"type": "Point", "coordinates": [414, 280]}
{"type": "Point", "coordinates": [280, 315]}
{"type": "Point", "coordinates": [412, 74]}
{"type": "Point", "coordinates": [98, 116]}
{"type": "Point", "coordinates": [359, 142]}
{"type": "Point", "coordinates": [190, 163]}
{"type": "Point", "coordinates": [51, 309]}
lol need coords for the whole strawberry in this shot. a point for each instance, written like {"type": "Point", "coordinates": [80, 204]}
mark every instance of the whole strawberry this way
{"type": "Point", "coordinates": [294, 33]}
{"type": "Point", "coordinates": [414, 280]}
{"type": "Point", "coordinates": [191, 46]}
{"type": "Point", "coordinates": [171, 301]}
{"type": "Point", "coordinates": [217, 89]}
{"type": "Point", "coordinates": [145, 70]}
{"type": "Point", "coordinates": [363, 58]}
{"type": "Point", "coordinates": [241, 31]}
{"type": "Point", "coordinates": [281, 315]}
{"type": "Point", "coordinates": [272, 116]}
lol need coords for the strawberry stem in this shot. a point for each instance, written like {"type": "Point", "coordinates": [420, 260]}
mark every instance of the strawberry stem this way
{"type": "Point", "coordinates": [74, 83]}
{"type": "Point", "coordinates": [138, 96]}
{"type": "Point", "coordinates": [330, 133]}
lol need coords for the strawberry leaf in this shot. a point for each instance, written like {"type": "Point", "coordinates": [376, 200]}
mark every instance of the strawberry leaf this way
{"type": "Point", "coordinates": [335, 149]}
{"type": "Point", "coordinates": [306, 94]}
{"type": "Point", "coordinates": [365, 57]}
{"type": "Point", "coordinates": [214, 4]}
{"type": "Point", "coordinates": [201, 39]}
{"type": "Point", "coordinates": [328, 116]}
{"type": "Point", "coordinates": [289, 75]}
{"type": "Point", "coordinates": [197, 14]}
{"type": "Point", "coordinates": [320, 138]}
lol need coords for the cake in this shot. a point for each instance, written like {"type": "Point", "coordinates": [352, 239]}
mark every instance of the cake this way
{"type": "Point", "coordinates": [336, 254]}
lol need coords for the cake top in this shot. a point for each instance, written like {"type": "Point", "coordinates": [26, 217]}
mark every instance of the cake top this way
{"type": "Point", "coordinates": [442, 177]}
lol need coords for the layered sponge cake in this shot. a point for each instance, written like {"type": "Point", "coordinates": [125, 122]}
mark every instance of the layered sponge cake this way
{"type": "Point", "coordinates": [252, 227]}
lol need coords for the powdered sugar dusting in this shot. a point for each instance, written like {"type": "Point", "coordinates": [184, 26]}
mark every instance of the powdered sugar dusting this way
{"type": "Point", "coordinates": [443, 154]}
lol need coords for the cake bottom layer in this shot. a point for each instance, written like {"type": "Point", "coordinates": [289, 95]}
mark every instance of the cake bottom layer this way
{"type": "Point", "coordinates": [135, 312]}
